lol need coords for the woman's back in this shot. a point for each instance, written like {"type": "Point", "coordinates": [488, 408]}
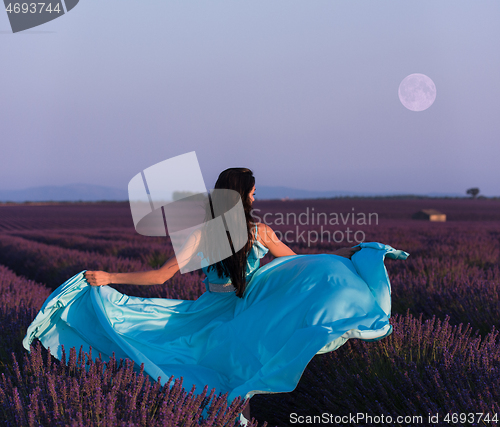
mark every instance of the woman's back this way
{"type": "Point", "coordinates": [214, 283]}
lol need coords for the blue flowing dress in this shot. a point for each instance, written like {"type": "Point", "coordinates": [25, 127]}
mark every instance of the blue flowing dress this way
{"type": "Point", "coordinates": [293, 308]}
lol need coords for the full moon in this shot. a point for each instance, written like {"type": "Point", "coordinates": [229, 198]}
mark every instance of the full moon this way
{"type": "Point", "coordinates": [417, 92]}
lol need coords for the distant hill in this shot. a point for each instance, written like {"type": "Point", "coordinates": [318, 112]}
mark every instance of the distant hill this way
{"type": "Point", "coordinates": [70, 193]}
{"type": "Point", "coordinates": [89, 192]}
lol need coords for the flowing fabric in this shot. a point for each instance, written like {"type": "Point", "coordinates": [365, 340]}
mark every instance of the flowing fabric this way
{"type": "Point", "coordinates": [293, 308]}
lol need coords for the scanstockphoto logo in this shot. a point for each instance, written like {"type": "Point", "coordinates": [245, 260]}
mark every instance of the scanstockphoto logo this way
{"type": "Point", "coordinates": [25, 15]}
{"type": "Point", "coordinates": [204, 227]}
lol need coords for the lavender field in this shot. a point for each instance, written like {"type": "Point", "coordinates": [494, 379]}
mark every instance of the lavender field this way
{"type": "Point", "coordinates": [442, 358]}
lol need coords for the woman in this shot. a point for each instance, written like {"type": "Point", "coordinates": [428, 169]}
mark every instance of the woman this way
{"type": "Point", "coordinates": [253, 331]}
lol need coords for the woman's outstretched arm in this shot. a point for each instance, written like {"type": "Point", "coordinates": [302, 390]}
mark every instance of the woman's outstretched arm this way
{"type": "Point", "coordinates": [278, 248]}
{"type": "Point", "coordinates": [152, 277]}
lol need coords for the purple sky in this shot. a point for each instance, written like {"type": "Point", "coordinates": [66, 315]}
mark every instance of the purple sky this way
{"type": "Point", "coordinates": [305, 93]}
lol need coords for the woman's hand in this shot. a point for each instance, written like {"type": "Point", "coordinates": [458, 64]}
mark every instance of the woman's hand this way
{"type": "Point", "coordinates": [97, 278]}
{"type": "Point", "coordinates": [347, 252]}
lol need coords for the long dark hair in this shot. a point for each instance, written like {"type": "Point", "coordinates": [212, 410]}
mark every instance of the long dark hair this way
{"type": "Point", "coordinates": [242, 181]}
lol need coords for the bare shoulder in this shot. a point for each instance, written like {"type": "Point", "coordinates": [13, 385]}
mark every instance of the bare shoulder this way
{"type": "Point", "coordinates": [268, 238]}
{"type": "Point", "coordinates": [265, 234]}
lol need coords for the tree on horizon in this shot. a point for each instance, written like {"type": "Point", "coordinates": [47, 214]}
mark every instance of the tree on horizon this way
{"type": "Point", "coordinates": [473, 192]}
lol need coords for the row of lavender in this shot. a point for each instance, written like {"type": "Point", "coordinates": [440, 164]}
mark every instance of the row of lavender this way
{"type": "Point", "coordinates": [36, 389]}
{"type": "Point", "coordinates": [54, 265]}
{"type": "Point", "coordinates": [153, 251]}
{"type": "Point", "coordinates": [66, 215]}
